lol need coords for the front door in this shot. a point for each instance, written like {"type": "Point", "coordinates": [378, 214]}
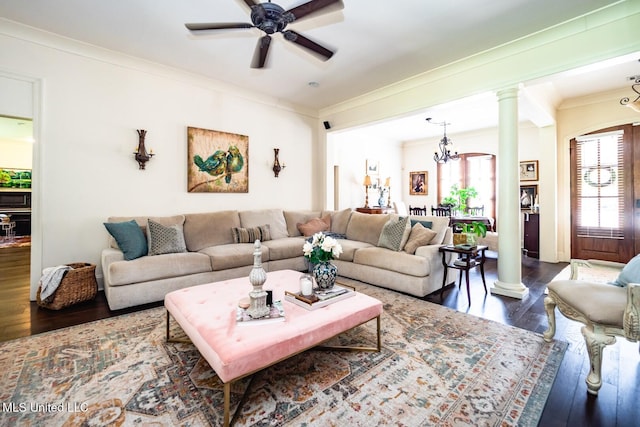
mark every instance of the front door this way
{"type": "Point", "coordinates": [602, 194]}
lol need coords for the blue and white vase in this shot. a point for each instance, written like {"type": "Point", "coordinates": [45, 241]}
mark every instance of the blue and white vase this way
{"type": "Point", "coordinates": [325, 274]}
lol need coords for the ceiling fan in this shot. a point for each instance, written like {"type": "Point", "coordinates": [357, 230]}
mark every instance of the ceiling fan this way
{"type": "Point", "coordinates": [272, 18]}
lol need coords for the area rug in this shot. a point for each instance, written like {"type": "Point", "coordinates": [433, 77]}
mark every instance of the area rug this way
{"type": "Point", "coordinates": [598, 273]}
{"type": "Point", "coordinates": [438, 367]}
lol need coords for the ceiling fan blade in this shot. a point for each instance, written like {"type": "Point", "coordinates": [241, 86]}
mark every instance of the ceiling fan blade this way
{"type": "Point", "coordinates": [303, 41]}
{"type": "Point", "coordinates": [311, 7]}
{"type": "Point", "coordinates": [260, 54]}
{"type": "Point", "coordinates": [218, 26]}
{"type": "Point", "coordinates": [251, 3]}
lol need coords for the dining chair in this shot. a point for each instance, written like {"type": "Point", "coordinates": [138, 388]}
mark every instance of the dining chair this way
{"type": "Point", "coordinates": [441, 211]}
{"type": "Point", "coordinates": [418, 211]}
{"type": "Point", "coordinates": [476, 211]}
{"type": "Point", "coordinates": [400, 208]}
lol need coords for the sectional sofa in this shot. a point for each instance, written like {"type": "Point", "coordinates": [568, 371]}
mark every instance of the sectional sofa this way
{"type": "Point", "coordinates": [191, 249]}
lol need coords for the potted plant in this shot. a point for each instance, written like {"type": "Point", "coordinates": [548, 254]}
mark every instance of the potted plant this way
{"type": "Point", "coordinates": [458, 198]}
{"type": "Point", "coordinates": [469, 232]}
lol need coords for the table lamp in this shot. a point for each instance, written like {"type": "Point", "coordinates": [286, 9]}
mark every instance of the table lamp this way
{"type": "Point", "coordinates": [367, 184]}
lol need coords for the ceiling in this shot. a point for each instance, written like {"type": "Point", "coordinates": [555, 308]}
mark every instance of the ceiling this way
{"type": "Point", "coordinates": [377, 43]}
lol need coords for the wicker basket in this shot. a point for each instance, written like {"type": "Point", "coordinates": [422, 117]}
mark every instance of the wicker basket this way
{"type": "Point", "coordinates": [78, 285]}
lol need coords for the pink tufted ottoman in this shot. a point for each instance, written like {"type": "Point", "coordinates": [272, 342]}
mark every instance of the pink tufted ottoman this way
{"type": "Point", "coordinates": [207, 314]}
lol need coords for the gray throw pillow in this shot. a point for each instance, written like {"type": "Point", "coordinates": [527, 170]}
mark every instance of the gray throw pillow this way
{"type": "Point", "coordinates": [394, 233]}
{"type": "Point", "coordinates": [165, 240]}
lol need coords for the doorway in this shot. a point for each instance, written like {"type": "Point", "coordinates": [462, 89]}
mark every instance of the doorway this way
{"type": "Point", "coordinates": [603, 194]}
{"type": "Point", "coordinates": [16, 145]}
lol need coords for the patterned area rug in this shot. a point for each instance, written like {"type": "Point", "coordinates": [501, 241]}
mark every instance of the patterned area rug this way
{"type": "Point", "coordinates": [437, 367]}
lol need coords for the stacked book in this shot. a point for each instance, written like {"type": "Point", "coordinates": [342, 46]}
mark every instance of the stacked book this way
{"type": "Point", "coordinates": [319, 299]}
{"type": "Point", "coordinates": [463, 262]}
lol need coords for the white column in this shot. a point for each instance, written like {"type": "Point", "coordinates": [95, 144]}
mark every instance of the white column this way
{"type": "Point", "coordinates": [509, 281]}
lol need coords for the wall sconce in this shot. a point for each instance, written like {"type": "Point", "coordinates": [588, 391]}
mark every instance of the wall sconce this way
{"type": "Point", "coordinates": [635, 104]}
{"type": "Point", "coordinates": [141, 154]}
{"type": "Point", "coordinates": [367, 184]}
{"type": "Point", "coordinates": [276, 162]}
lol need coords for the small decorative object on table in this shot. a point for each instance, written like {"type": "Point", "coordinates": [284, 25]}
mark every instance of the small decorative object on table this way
{"type": "Point", "coordinates": [306, 285]}
{"type": "Point", "coordinates": [319, 251]}
{"type": "Point", "coordinates": [258, 307]}
{"type": "Point", "coordinates": [470, 233]}
{"type": "Point", "coordinates": [320, 299]}
{"type": "Point", "coordinates": [275, 313]}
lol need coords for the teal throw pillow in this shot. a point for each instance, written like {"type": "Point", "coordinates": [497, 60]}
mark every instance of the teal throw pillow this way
{"type": "Point", "coordinates": [630, 273]}
{"type": "Point", "coordinates": [425, 224]}
{"type": "Point", "coordinates": [129, 237]}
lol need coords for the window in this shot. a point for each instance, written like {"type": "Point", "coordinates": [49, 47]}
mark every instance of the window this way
{"type": "Point", "coordinates": [477, 170]}
{"type": "Point", "coordinates": [600, 185]}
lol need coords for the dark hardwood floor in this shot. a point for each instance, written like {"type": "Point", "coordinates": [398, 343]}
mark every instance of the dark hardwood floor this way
{"type": "Point", "coordinates": [567, 405]}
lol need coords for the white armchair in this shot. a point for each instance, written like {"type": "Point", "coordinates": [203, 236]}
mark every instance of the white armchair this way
{"type": "Point", "coordinates": [605, 310]}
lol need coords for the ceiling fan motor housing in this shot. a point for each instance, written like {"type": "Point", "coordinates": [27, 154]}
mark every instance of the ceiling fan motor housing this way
{"type": "Point", "coordinates": [269, 17]}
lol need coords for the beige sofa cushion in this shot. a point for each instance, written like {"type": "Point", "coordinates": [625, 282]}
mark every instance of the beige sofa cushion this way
{"type": "Point", "coordinates": [294, 217]}
{"type": "Point", "coordinates": [157, 267]}
{"type": "Point", "coordinates": [394, 261]}
{"type": "Point", "coordinates": [202, 230]}
{"type": "Point", "coordinates": [273, 217]}
{"type": "Point", "coordinates": [365, 227]}
{"type": "Point", "coordinates": [349, 248]}
{"type": "Point", "coordinates": [339, 220]}
{"type": "Point", "coordinates": [234, 255]}
{"type": "Point", "coordinates": [290, 247]}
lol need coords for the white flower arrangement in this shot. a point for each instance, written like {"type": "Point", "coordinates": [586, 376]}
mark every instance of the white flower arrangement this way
{"type": "Point", "coordinates": [321, 248]}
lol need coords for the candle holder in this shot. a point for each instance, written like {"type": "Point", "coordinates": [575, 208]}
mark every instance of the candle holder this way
{"type": "Point", "coordinates": [141, 154]}
{"type": "Point", "coordinates": [306, 285]}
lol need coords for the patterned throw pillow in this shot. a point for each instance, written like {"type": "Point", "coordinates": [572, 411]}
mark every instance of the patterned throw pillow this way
{"type": "Point", "coordinates": [394, 234]}
{"type": "Point", "coordinates": [165, 240]}
{"type": "Point", "coordinates": [420, 236]}
{"type": "Point", "coordinates": [250, 235]}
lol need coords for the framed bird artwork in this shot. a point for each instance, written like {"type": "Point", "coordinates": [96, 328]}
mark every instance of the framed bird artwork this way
{"type": "Point", "coordinates": [218, 162]}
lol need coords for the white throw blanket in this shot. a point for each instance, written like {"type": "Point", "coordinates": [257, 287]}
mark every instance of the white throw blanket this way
{"type": "Point", "coordinates": [50, 280]}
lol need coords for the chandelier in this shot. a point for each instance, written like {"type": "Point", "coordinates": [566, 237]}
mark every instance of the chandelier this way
{"type": "Point", "coordinates": [635, 104]}
{"type": "Point", "coordinates": [444, 146]}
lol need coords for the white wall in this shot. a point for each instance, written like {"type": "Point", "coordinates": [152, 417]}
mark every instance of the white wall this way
{"type": "Point", "coordinates": [92, 103]}
{"type": "Point", "coordinates": [350, 151]}
{"type": "Point", "coordinates": [15, 154]}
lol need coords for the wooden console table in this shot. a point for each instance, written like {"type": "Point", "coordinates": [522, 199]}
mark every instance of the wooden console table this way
{"type": "Point", "coordinates": [375, 210]}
